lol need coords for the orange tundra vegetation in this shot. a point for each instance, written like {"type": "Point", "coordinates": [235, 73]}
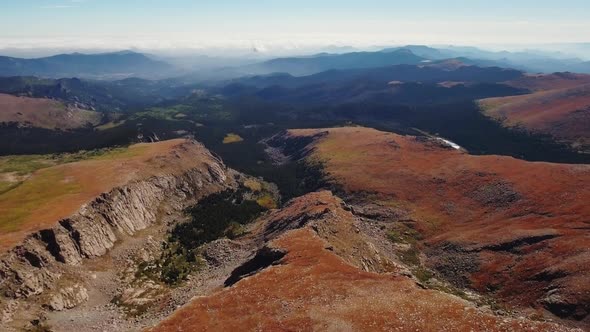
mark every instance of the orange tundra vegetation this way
{"type": "Point", "coordinates": [518, 229]}
{"type": "Point", "coordinates": [563, 113]}
{"type": "Point", "coordinates": [312, 288]}
{"type": "Point", "coordinates": [555, 81]}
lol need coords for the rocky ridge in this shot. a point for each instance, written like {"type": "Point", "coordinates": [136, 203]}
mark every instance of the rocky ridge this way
{"type": "Point", "coordinates": [42, 262]}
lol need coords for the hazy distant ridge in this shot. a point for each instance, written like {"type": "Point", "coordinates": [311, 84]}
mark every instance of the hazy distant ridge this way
{"type": "Point", "coordinates": [104, 65]}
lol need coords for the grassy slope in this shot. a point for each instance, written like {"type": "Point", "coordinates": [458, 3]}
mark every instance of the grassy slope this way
{"type": "Point", "coordinates": [14, 170]}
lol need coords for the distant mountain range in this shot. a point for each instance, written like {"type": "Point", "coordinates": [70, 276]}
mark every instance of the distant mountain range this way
{"type": "Point", "coordinates": [418, 55]}
{"type": "Point", "coordinates": [126, 64]}
{"type": "Point", "coordinates": [399, 84]}
{"type": "Point", "coordinates": [300, 66]}
{"type": "Point", "coordinates": [434, 72]}
{"type": "Point", "coordinates": [531, 61]}
{"type": "Point", "coordinates": [105, 96]}
{"type": "Point", "coordinates": [99, 66]}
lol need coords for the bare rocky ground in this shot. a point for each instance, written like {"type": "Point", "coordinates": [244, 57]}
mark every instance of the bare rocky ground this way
{"type": "Point", "coordinates": [110, 293]}
{"type": "Point", "coordinates": [143, 302]}
{"type": "Point", "coordinates": [83, 273]}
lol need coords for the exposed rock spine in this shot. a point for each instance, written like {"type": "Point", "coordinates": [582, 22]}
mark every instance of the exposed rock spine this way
{"type": "Point", "coordinates": [33, 266]}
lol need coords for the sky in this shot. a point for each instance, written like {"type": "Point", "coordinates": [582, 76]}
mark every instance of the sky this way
{"type": "Point", "coordinates": [282, 24]}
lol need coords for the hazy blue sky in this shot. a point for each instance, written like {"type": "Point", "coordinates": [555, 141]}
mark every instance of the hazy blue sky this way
{"type": "Point", "coordinates": [186, 23]}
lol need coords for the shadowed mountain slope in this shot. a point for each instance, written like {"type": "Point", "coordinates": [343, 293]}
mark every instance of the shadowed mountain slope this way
{"type": "Point", "coordinates": [318, 63]}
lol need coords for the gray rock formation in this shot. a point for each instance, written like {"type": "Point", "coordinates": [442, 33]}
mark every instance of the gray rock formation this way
{"type": "Point", "coordinates": [68, 297]}
{"type": "Point", "coordinates": [36, 264]}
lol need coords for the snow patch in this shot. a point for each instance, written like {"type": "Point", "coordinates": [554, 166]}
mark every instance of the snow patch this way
{"type": "Point", "coordinates": [449, 143]}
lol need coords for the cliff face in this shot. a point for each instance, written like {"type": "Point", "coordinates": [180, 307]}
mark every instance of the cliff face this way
{"type": "Point", "coordinates": [37, 263]}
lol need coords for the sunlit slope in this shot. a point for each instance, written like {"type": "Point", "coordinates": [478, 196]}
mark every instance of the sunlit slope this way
{"type": "Point", "coordinates": [37, 195]}
{"type": "Point", "coordinates": [44, 113]}
{"type": "Point", "coordinates": [316, 283]}
{"type": "Point", "coordinates": [519, 229]}
{"type": "Point", "coordinates": [558, 105]}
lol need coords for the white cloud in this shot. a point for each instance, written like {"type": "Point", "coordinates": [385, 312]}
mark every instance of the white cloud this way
{"type": "Point", "coordinates": [301, 36]}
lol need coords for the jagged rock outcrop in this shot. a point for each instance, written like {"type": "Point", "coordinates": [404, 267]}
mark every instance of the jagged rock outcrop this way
{"type": "Point", "coordinates": [334, 221]}
{"type": "Point", "coordinates": [68, 297]}
{"type": "Point", "coordinates": [6, 310]}
{"type": "Point", "coordinates": [35, 264]}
